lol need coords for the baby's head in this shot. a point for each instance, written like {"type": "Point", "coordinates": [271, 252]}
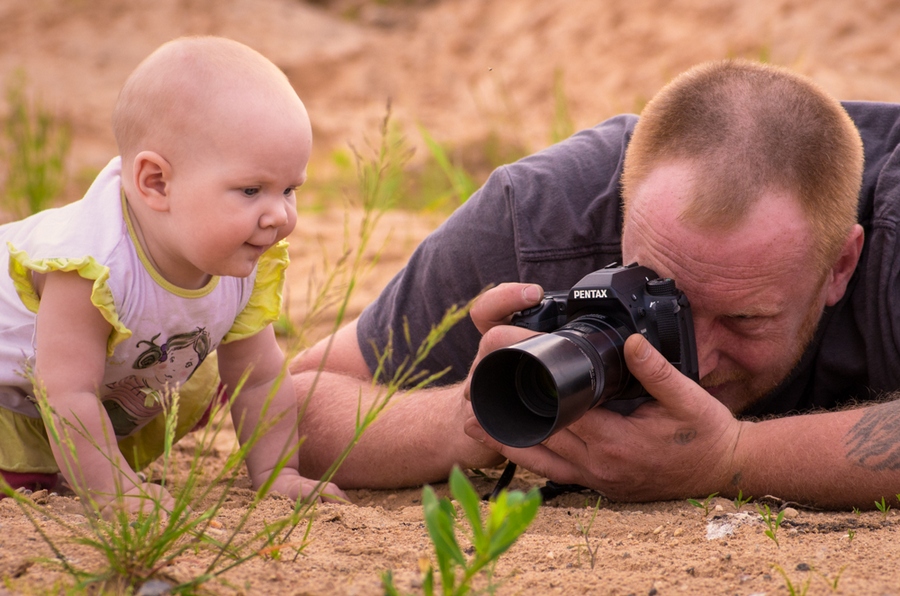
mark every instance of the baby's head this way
{"type": "Point", "coordinates": [194, 87]}
{"type": "Point", "coordinates": [211, 136]}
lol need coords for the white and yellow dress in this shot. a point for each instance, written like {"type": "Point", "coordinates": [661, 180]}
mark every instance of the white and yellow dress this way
{"type": "Point", "coordinates": [160, 333]}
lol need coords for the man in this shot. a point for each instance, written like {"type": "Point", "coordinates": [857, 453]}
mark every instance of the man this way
{"type": "Point", "coordinates": [742, 182]}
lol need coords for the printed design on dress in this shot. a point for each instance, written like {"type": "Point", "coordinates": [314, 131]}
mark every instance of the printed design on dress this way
{"type": "Point", "coordinates": [135, 399]}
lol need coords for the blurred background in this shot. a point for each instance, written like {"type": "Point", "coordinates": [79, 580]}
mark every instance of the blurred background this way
{"type": "Point", "coordinates": [472, 84]}
{"type": "Point", "coordinates": [488, 80]}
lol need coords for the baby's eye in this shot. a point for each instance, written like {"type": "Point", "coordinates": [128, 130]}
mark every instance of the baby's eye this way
{"type": "Point", "coordinates": [289, 190]}
{"type": "Point", "coordinates": [249, 192]}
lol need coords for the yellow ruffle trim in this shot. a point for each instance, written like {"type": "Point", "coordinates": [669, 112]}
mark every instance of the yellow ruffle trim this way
{"type": "Point", "coordinates": [264, 306]}
{"type": "Point", "coordinates": [21, 266]}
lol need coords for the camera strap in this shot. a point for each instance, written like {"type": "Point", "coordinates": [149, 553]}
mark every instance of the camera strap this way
{"type": "Point", "coordinates": [550, 490]}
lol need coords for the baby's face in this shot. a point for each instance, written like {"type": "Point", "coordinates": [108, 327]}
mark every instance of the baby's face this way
{"type": "Point", "coordinates": [233, 197]}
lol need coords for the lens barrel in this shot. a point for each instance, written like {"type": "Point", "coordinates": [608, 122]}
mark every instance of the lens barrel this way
{"type": "Point", "coordinates": [524, 393]}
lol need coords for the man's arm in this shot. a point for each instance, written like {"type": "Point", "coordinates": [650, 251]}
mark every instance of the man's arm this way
{"type": "Point", "coordinates": [687, 444]}
{"type": "Point", "coordinates": [420, 436]}
{"type": "Point", "coordinates": [338, 353]}
{"type": "Point", "coordinates": [416, 439]}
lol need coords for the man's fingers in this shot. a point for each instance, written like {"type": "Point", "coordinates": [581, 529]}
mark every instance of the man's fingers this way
{"type": "Point", "coordinates": [497, 305]}
{"type": "Point", "coordinates": [539, 459]}
{"type": "Point", "coordinates": [655, 373]}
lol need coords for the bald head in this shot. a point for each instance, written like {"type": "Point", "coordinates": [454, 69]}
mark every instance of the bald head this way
{"type": "Point", "coordinates": [190, 87]}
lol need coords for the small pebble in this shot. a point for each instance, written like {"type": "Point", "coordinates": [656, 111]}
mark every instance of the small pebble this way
{"type": "Point", "coordinates": [790, 513]}
{"type": "Point", "coordinates": [155, 587]}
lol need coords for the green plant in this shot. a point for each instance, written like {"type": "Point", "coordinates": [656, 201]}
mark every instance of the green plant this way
{"type": "Point", "coordinates": [832, 583]}
{"type": "Point", "coordinates": [773, 523]}
{"type": "Point", "coordinates": [704, 504]}
{"type": "Point", "coordinates": [585, 531]}
{"type": "Point", "coordinates": [562, 126]}
{"type": "Point", "coordinates": [797, 589]}
{"type": "Point", "coordinates": [883, 507]}
{"type": "Point", "coordinates": [740, 501]}
{"type": "Point", "coordinates": [38, 142]}
{"type": "Point", "coordinates": [851, 534]}
{"type": "Point", "coordinates": [508, 517]}
{"type": "Point", "coordinates": [857, 512]}
{"type": "Point", "coordinates": [137, 547]}
{"type": "Point", "coordinates": [462, 185]}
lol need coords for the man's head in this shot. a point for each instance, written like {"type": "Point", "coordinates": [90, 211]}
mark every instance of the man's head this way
{"type": "Point", "coordinates": [213, 140]}
{"type": "Point", "coordinates": [741, 182]}
{"type": "Point", "coordinates": [746, 129]}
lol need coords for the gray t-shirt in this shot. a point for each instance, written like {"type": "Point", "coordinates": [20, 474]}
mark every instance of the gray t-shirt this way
{"type": "Point", "coordinates": [555, 216]}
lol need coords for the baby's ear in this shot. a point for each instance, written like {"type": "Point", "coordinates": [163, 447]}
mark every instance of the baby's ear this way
{"type": "Point", "coordinates": [151, 179]}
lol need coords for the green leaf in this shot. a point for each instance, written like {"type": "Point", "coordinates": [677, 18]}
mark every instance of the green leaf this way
{"type": "Point", "coordinates": [516, 519]}
{"type": "Point", "coordinates": [465, 495]}
{"type": "Point", "coordinates": [440, 517]}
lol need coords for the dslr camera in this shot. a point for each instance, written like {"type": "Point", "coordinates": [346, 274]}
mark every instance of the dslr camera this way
{"type": "Point", "coordinates": [524, 393]}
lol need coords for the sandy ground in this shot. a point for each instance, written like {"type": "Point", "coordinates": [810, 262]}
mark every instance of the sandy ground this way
{"type": "Point", "coordinates": [467, 70]}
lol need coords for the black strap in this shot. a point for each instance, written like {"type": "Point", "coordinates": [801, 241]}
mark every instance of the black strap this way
{"type": "Point", "coordinates": [550, 490]}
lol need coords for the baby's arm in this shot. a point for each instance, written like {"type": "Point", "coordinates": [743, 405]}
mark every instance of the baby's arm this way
{"type": "Point", "coordinates": [265, 359]}
{"type": "Point", "coordinates": [71, 338]}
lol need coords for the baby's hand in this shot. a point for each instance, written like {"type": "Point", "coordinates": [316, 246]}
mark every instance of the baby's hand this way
{"type": "Point", "coordinates": [139, 499]}
{"type": "Point", "coordinates": [292, 485]}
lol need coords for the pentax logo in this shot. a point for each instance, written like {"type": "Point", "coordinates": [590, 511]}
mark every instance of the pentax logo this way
{"type": "Point", "coordinates": [581, 294]}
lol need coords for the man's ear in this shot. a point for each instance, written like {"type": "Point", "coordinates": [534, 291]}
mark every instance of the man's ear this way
{"type": "Point", "coordinates": [842, 270]}
{"type": "Point", "coordinates": [152, 174]}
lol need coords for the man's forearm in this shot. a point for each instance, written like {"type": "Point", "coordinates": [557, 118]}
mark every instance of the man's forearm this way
{"type": "Point", "coordinates": [416, 439]}
{"type": "Point", "coordinates": [840, 459]}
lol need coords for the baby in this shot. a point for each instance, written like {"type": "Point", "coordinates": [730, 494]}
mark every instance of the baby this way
{"type": "Point", "coordinates": [176, 250]}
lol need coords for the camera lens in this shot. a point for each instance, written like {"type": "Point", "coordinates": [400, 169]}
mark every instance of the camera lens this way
{"type": "Point", "coordinates": [536, 388]}
{"type": "Point", "coordinates": [524, 393]}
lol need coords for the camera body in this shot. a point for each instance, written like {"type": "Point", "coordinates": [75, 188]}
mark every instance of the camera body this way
{"type": "Point", "coordinates": [524, 393]}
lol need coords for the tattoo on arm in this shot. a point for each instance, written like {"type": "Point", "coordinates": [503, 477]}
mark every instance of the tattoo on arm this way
{"type": "Point", "coordinates": [874, 441]}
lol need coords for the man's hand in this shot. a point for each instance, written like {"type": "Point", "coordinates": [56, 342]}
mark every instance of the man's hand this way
{"type": "Point", "coordinates": [491, 314]}
{"type": "Point", "coordinates": [680, 445]}
{"type": "Point", "coordinates": [497, 305]}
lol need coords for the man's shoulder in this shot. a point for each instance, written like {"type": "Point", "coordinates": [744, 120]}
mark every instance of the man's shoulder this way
{"type": "Point", "coordinates": [865, 111]}
{"type": "Point", "coordinates": [878, 124]}
{"type": "Point", "coordinates": [608, 139]}
{"type": "Point", "coordinates": [584, 165]}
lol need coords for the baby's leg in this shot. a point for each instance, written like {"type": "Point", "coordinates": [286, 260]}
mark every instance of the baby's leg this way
{"type": "Point", "coordinates": [31, 481]}
{"type": "Point", "coordinates": [26, 460]}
